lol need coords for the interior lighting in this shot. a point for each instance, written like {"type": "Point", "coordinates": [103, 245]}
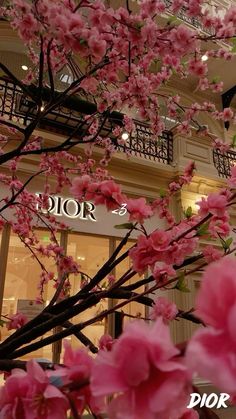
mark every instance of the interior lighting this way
{"type": "Point", "coordinates": [24, 67]}
{"type": "Point", "coordinates": [125, 136]}
{"type": "Point", "coordinates": [204, 57]}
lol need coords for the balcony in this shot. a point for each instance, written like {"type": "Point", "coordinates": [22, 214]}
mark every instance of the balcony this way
{"type": "Point", "coordinates": [183, 15]}
{"type": "Point", "coordinates": [20, 109]}
{"type": "Point", "coordinates": [223, 162]}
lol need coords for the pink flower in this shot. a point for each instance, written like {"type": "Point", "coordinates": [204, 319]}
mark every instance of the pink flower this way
{"type": "Point", "coordinates": [109, 194]}
{"type": "Point", "coordinates": [227, 114]}
{"type": "Point", "coordinates": [190, 414]}
{"type": "Point", "coordinates": [138, 210]}
{"type": "Point", "coordinates": [198, 68]}
{"type": "Point", "coordinates": [232, 181]}
{"type": "Point", "coordinates": [163, 308]}
{"type": "Point", "coordinates": [161, 271]}
{"type": "Point", "coordinates": [211, 254]}
{"type": "Point", "coordinates": [219, 226]}
{"type": "Point", "coordinates": [142, 371]}
{"type": "Point", "coordinates": [89, 84]}
{"type": "Point", "coordinates": [97, 47]}
{"type": "Point", "coordinates": [30, 395]}
{"type": "Point", "coordinates": [79, 366]}
{"type": "Point", "coordinates": [106, 342]}
{"type": "Point", "coordinates": [182, 39]}
{"type": "Point", "coordinates": [149, 250]}
{"type": "Point", "coordinates": [16, 321]}
{"type": "Point", "coordinates": [215, 204]}
{"type": "Point", "coordinates": [12, 395]}
{"type": "Point", "coordinates": [80, 186]}
{"type": "Point", "coordinates": [212, 351]}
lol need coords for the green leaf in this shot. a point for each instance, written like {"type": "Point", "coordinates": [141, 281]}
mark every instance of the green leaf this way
{"type": "Point", "coordinates": [226, 243]}
{"type": "Point", "coordinates": [82, 41]}
{"type": "Point", "coordinates": [203, 229]}
{"type": "Point", "coordinates": [234, 141]}
{"type": "Point", "coordinates": [138, 25]}
{"type": "Point", "coordinates": [162, 193]}
{"type": "Point", "coordinates": [181, 284]}
{"type": "Point", "coordinates": [126, 226]}
{"type": "Point", "coordinates": [215, 80]}
{"type": "Point", "coordinates": [234, 45]}
{"type": "Point", "coordinates": [2, 323]}
{"type": "Point", "coordinates": [172, 19]}
{"type": "Point", "coordinates": [189, 212]}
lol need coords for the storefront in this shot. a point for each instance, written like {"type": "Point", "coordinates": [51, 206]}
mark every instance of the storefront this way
{"type": "Point", "coordinates": [91, 241]}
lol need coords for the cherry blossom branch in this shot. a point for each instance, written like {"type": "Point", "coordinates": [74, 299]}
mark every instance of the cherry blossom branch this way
{"type": "Point", "coordinates": [13, 198]}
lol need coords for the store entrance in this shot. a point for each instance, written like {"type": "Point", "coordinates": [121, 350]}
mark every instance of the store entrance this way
{"type": "Point", "coordinates": [21, 282]}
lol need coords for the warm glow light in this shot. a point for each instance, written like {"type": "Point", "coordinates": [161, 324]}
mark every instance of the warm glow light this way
{"type": "Point", "coordinates": [125, 136]}
{"type": "Point", "coordinates": [204, 57]}
{"type": "Point", "coordinates": [24, 67]}
{"type": "Point", "coordinates": [42, 108]}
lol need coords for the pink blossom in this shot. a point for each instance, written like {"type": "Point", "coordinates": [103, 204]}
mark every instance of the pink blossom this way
{"type": "Point", "coordinates": [16, 321]}
{"type": "Point", "coordinates": [109, 194]}
{"type": "Point", "coordinates": [106, 342]}
{"type": "Point", "coordinates": [211, 254]}
{"type": "Point", "coordinates": [198, 68]}
{"type": "Point", "coordinates": [68, 265]}
{"type": "Point", "coordinates": [142, 368]}
{"type": "Point", "coordinates": [163, 308]}
{"type": "Point", "coordinates": [161, 271]}
{"type": "Point", "coordinates": [227, 114]}
{"type": "Point", "coordinates": [182, 39]}
{"type": "Point", "coordinates": [30, 395]}
{"type": "Point", "coordinates": [174, 187]}
{"type": "Point", "coordinates": [220, 145]}
{"type": "Point", "coordinates": [79, 366]}
{"type": "Point", "coordinates": [230, 15]}
{"type": "Point", "coordinates": [232, 180]}
{"type": "Point", "coordinates": [97, 47]}
{"type": "Point", "coordinates": [194, 7]}
{"type": "Point", "coordinates": [219, 226]}
{"type": "Point", "coordinates": [138, 210]}
{"type": "Point", "coordinates": [111, 279]}
{"type": "Point", "coordinates": [149, 250]}
{"type": "Point", "coordinates": [89, 84]}
{"type": "Point", "coordinates": [83, 187]}
{"type": "Point", "coordinates": [215, 204]}
{"type": "Point", "coordinates": [12, 395]}
{"type": "Point", "coordinates": [190, 414]}
{"type": "Point", "coordinates": [211, 351]}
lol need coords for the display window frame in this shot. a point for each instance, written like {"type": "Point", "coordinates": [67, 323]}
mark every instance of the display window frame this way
{"type": "Point", "coordinates": [111, 324]}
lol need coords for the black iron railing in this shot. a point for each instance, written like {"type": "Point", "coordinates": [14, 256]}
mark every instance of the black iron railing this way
{"type": "Point", "coordinates": [224, 161]}
{"type": "Point", "coordinates": [183, 15]}
{"type": "Point", "coordinates": [19, 108]}
{"type": "Point", "coordinates": [142, 144]}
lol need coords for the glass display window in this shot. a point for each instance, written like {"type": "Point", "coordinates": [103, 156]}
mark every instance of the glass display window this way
{"type": "Point", "coordinates": [21, 283]}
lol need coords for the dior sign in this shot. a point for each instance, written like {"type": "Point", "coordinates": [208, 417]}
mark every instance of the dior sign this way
{"type": "Point", "coordinates": [70, 208]}
{"type": "Point", "coordinates": [210, 401]}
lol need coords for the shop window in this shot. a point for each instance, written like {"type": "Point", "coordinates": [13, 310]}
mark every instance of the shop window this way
{"type": "Point", "coordinates": [21, 282]}
{"type": "Point", "coordinates": [133, 309]}
{"type": "Point", "coordinates": [90, 252]}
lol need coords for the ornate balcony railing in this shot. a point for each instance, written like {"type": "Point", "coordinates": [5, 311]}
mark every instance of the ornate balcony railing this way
{"type": "Point", "coordinates": [183, 15]}
{"type": "Point", "coordinates": [224, 161]}
{"type": "Point", "coordinates": [142, 144]}
{"type": "Point", "coordinates": [20, 109]}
